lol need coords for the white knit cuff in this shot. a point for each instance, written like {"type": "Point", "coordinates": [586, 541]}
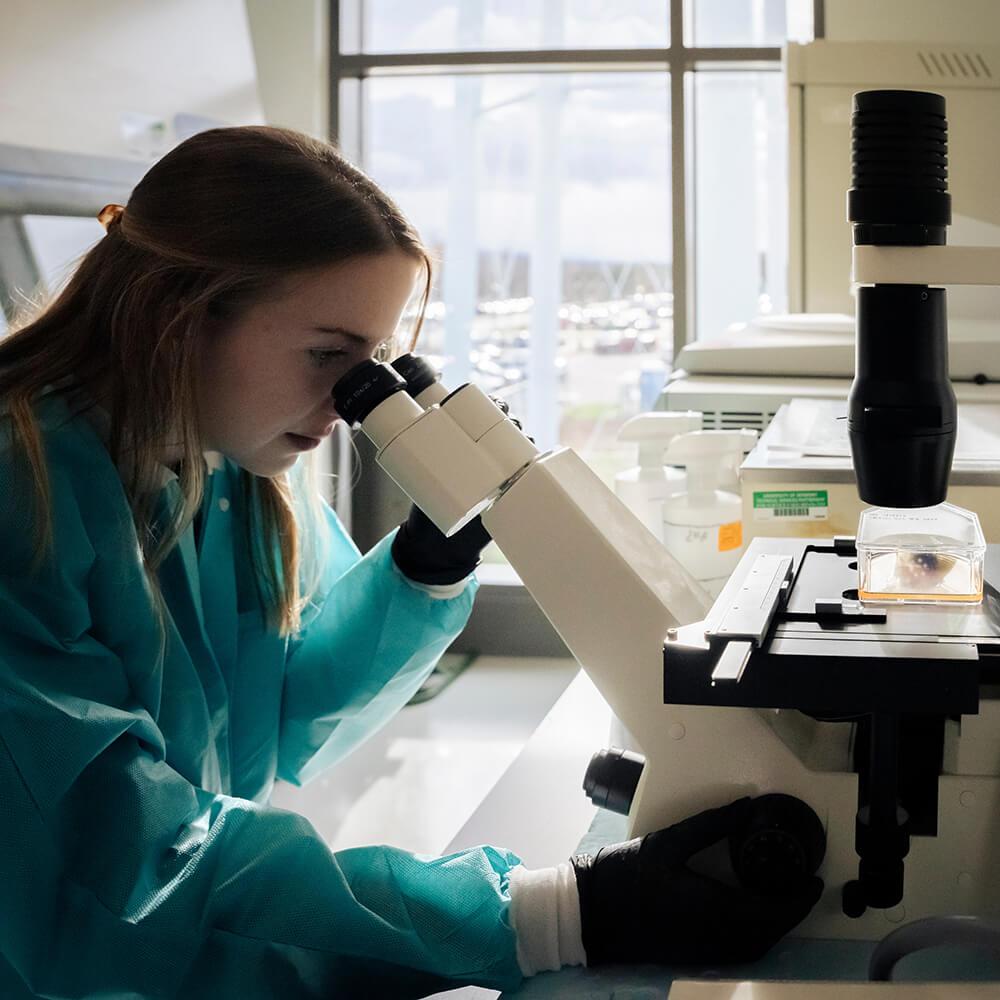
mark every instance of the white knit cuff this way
{"type": "Point", "coordinates": [545, 914]}
{"type": "Point", "coordinates": [439, 591]}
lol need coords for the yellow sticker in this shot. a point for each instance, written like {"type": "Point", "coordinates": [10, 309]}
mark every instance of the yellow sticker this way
{"type": "Point", "coordinates": [730, 536]}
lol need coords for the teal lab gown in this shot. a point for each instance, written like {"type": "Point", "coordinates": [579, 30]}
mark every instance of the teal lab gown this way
{"type": "Point", "coordinates": [138, 854]}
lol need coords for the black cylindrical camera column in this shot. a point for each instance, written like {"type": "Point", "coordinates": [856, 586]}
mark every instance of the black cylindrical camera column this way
{"type": "Point", "coordinates": [901, 410]}
{"type": "Point", "coordinates": [881, 831]}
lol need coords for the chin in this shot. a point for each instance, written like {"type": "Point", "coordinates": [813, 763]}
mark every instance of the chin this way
{"type": "Point", "coordinates": [267, 466]}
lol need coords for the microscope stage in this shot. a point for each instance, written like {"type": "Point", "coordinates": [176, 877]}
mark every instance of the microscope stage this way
{"type": "Point", "coordinates": [788, 631]}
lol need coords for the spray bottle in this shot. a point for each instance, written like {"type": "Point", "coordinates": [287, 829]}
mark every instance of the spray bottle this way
{"type": "Point", "coordinates": [703, 525]}
{"type": "Point", "coordinates": [644, 487]}
{"type": "Point", "coordinates": [729, 479]}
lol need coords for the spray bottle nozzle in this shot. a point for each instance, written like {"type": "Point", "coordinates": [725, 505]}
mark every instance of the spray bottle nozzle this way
{"type": "Point", "coordinates": [705, 454]}
{"type": "Point", "coordinates": [653, 432]}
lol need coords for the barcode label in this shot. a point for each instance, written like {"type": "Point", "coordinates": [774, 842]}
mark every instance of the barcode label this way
{"type": "Point", "coordinates": [791, 505]}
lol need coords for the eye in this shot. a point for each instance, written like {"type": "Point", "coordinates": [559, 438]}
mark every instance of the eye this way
{"type": "Point", "coordinates": [325, 358]}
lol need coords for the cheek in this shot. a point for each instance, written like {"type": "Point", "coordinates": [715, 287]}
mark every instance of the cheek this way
{"type": "Point", "coordinates": [235, 395]}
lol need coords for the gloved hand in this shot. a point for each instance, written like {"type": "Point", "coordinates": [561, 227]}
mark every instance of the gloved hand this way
{"type": "Point", "coordinates": [639, 901]}
{"type": "Point", "coordinates": [425, 555]}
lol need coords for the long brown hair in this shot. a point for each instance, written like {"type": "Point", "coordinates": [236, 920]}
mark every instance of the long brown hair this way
{"type": "Point", "coordinates": [213, 225]}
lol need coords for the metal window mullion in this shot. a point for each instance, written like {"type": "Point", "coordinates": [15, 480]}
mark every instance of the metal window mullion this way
{"type": "Point", "coordinates": [676, 66]}
{"type": "Point", "coordinates": [20, 276]}
{"type": "Point", "coordinates": [333, 61]}
{"type": "Point", "coordinates": [819, 19]}
{"type": "Point", "coordinates": [539, 60]}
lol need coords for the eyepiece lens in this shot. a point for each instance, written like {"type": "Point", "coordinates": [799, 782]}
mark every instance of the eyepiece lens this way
{"type": "Point", "coordinates": [419, 373]}
{"type": "Point", "coordinates": [361, 389]}
{"type": "Point", "coordinates": [899, 169]}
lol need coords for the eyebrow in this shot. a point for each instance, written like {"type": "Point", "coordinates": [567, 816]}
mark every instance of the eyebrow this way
{"type": "Point", "coordinates": [340, 331]}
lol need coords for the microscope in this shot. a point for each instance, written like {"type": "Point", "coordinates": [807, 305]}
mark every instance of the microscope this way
{"type": "Point", "coordinates": [870, 733]}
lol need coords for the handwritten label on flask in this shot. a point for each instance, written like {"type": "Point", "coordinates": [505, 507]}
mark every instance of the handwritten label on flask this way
{"type": "Point", "coordinates": [730, 536]}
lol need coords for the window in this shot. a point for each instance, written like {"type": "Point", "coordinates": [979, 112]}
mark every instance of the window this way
{"type": "Point", "coordinates": [599, 181]}
{"type": "Point", "coordinates": [546, 199]}
{"type": "Point", "coordinates": [58, 242]}
{"type": "Point", "coordinates": [47, 218]}
{"type": "Point", "coordinates": [740, 209]}
{"type": "Point", "coordinates": [442, 25]}
{"type": "Point", "coordinates": [39, 253]}
{"type": "Point", "coordinates": [596, 194]}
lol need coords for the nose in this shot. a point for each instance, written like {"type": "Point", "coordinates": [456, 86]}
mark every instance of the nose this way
{"type": "Point", "coordinates": [327, 414]}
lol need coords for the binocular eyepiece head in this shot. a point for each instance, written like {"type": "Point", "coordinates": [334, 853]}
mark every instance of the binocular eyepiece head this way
{"type": "Point", "coordinates": [367, 384]}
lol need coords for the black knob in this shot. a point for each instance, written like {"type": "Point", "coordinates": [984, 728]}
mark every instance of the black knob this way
{"type": "Point", "coordinates": [612, 777]}
{"type": "Point", "coordinates": [781, 843]}
{"type": "Point", "coordinates": [852, 899]}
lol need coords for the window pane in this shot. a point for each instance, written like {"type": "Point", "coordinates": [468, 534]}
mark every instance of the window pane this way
{"type": "Point", "coordinates": [738, 22]}
{"type": "Point", "coordinates": [58, 242]}
{"type": "Point", "coordinates": [441, 25]}
{"type": "Point", "coordinates": [54, 244]}
{"type": "Point", "coordinates": [547, 201]}
{"type": "Point", "coordinates": [740, 198]}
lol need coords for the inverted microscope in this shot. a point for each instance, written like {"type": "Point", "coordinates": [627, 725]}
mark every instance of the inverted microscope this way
{"type": "Point", "coordinates": [870, 731]}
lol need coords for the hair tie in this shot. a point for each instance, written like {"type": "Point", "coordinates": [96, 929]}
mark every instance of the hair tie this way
{"type": "Point", "coordinates": [109, 215]}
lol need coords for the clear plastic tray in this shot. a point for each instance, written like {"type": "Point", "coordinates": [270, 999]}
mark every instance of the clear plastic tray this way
{"type": "Point", "coordinates": [923, 555]}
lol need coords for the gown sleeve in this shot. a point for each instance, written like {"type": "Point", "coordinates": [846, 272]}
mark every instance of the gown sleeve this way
{"type": "Point", "coordinates": [369, 644]}
{"type": "Point", "coordinates": [119, 876]}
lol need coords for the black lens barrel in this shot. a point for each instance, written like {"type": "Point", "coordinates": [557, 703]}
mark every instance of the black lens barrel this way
{"type": "Point", "coordinates": [362, 388]}
{"type": "Point", "coordinates": [419, 373]}
{"type": "Point", "coordinates": [899, 169]}
{"type": "Point", "coordinates": [902, 415]}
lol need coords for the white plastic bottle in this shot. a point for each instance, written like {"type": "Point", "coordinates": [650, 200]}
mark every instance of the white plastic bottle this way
{"type": "Point", "coordinates": [644, 487]}
{"type": "Point", "coordinates": [729, 479]}
{"type": "Point", "coordinates": [703, 525]}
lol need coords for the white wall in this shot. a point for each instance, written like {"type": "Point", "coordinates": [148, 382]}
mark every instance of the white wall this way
{"type": "Point", "coordinates": [913, 20]}
{"type": "Point", "coordinates": [972, 119]}
{"type": "Point", "coordinates": [70, 69]}
{"type": "Point", "coordinates": [290, 43]}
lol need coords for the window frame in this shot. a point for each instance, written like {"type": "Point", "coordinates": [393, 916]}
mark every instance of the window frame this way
{"type": "Point", "coordinates": [48, 182]}
{"type": "Point", "coordinates": [676, 60]}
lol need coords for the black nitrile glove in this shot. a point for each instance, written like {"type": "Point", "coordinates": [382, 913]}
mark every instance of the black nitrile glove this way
{"type": "Point", "coordinates": [639, 901]}
{"type": "Point", "coordinates": [423, 554]}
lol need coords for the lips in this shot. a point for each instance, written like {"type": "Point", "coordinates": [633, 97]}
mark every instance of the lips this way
{"type": "Point", "coordinates": [302, 442]}
{"type": "Point", "coordinates": [316, 435]}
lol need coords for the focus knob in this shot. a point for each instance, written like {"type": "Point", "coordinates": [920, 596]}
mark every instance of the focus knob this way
{"type": "Point", "coordinates": [782, 842]}
{"type": "Point", "coordinates": [612, 777]}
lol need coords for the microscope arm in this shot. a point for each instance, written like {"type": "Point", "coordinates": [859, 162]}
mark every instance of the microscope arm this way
{"type": "Point", "coordinates": [608, 586]}
{"type": "Point", "coordinates": [925, 265]}
{"type": "Point", "coordinates": [605, 582]}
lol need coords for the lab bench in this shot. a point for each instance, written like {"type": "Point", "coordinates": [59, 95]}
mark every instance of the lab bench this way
{"type": "Point", "coordinates": [538, 808]}
{"type": "Point", "coordinates": [528, 796]}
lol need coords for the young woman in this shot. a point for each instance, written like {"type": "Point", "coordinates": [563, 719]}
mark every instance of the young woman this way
{"type": "Point", "coordinates": [181, 624]}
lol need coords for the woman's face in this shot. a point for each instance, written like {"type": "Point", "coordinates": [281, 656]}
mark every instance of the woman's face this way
{"type": "Point", "coordinates": [265, 378]}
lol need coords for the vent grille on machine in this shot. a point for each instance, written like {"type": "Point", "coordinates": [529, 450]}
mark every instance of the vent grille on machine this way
{"type": "Point", "coordinates": [954, 64]}
{"type": "Point", "coordinates": [732, 420]}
